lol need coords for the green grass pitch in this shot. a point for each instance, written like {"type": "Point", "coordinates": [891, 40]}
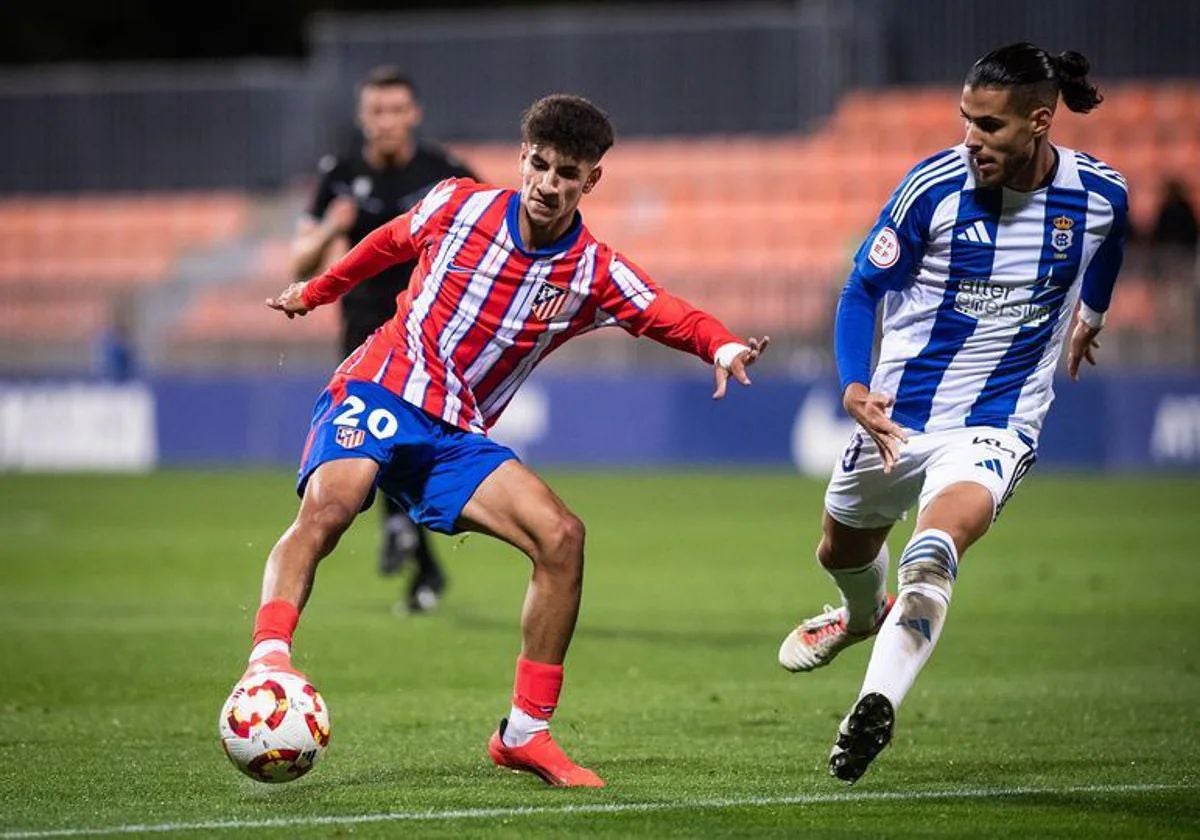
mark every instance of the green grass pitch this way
{"type": "Point", "coordinates": [1062, 699]}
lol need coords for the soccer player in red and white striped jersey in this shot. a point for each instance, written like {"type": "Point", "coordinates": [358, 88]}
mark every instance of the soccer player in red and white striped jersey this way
{"type": "Point", "coordinates": [503, 278]}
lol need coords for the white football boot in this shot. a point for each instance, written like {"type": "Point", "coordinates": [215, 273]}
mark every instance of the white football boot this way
{"type": "Point", "coordinates": [818, 640]}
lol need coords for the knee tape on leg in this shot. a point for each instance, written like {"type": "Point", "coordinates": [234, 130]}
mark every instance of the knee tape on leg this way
{"type": "Point", "coordinates": [929, 563]}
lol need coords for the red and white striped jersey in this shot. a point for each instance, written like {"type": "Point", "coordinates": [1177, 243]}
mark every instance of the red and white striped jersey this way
{"type": "Point", "coordinates": [483, 309]}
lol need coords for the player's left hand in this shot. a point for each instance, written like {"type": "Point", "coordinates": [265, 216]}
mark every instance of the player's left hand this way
{"type": "Point", "coordinates": [737, 367]}
{"type": "Point", "coordinates": [290, 301]}
{"type": "Point", "coordinates": [1083, 342]}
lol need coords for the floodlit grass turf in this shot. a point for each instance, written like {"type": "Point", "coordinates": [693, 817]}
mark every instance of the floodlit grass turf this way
{"type": "Point", "coordinates": [1070, 660]}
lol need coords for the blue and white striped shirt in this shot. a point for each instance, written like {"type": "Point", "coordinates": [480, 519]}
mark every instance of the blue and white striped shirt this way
{"type": "Point", "coordinates": [978, 286]}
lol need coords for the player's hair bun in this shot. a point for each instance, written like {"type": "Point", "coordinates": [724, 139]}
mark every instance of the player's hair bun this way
{"type": "Point", "coordinates": [1070, 65]}
{"type": "Point", "coordinates": [1078, 93]}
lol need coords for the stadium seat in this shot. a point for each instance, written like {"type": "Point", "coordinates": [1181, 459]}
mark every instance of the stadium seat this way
{"type": "Point", "coordinates": [115, 241]}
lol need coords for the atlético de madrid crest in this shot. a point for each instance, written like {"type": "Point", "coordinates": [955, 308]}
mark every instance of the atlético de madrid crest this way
{"type": "Point", "coordinates": [349, 438]}
{"type": "Point", "coordinates": [1062, 236]}
{"type": "Point", "coordinates": [548, 301]}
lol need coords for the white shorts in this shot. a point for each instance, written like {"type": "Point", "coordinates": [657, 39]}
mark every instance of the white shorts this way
{"type": "Point", "coordinates": [861, 495]}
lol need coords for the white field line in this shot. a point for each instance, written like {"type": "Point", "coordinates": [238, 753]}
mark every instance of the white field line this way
{"type": "Point", "coordinates": [613, 808]}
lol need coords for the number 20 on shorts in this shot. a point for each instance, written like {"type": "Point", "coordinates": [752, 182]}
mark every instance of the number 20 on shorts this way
{"type": "Point", "coordinates": [380, 422]}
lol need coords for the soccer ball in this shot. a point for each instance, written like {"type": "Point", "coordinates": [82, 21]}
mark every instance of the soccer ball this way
{"type": "Point", "coordinates": [274, 726]}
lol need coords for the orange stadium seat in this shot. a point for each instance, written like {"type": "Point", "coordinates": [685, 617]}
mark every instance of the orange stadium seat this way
{"type": "Point", "coordinates": [113, 241]}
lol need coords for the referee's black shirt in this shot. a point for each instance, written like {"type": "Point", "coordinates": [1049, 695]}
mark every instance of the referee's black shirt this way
{"type": "Point", "coordinates": [381, 195]}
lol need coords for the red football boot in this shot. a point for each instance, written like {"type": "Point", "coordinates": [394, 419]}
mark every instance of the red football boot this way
{"type": "Point", "coordinates": [542, 757]}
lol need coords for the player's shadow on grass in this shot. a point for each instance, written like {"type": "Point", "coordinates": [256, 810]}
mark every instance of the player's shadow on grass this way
{"type": "Point", "coordinates": [683, 637]}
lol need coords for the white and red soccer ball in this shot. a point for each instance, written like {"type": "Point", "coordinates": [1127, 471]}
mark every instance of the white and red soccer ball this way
{"type": "Point", "coordinates": [274, 726]}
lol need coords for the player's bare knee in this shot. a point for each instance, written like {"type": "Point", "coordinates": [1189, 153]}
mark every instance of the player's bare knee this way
{"type": "Point", "coordinates": [825, 553]}
{"type": "Point", "coordinates": [566, 535]}
{"type": "Point", "coordinates": [561, 546]}
{"type": "Point", "coordinates": [837, 553]}
{"type": "Point", "coordinates": [328, 518]}
{"type": "Point", "coordinates": [573, 533]}
{"type": "Point", "coordinates": [964, 510]}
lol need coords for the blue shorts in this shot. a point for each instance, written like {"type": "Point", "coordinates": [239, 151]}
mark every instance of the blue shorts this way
{"type": "Point", "coordinates": [429, 467]}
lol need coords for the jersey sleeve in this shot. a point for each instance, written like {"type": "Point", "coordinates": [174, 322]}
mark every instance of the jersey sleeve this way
{"type": "Point", "coordinates": [623, 292]}
{"type": "Point", "coordinates": [325, 192]}
{"type": "Point", "coordinates": [892, 250]}
{"type": "Point", "coordinates": [628, 296]}
{"type": "Point", "coordinates": [854, 331]}
{"type": "Point", "coordinates": [1101, 273]}
{"type": "Point", "coordinates": [387, 245]}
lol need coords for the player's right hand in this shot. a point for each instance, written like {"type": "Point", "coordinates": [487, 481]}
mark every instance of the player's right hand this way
{"type": "Point", "coordinates": [1081, 347]}
{"type": "Point", "coordinates": [737, 366]}
{"type": "Point", "coordinates": [870, 410]}
{"type": "Point", "coordinates": [290, 301]}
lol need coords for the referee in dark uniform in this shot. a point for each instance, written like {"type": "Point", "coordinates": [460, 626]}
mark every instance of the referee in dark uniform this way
{"type": "Point", "coordinates": [389, 174]}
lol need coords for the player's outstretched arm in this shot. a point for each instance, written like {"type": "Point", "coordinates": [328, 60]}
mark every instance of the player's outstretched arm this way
{"type": "Point", "coordinates": [382, 248]}
{"type": "Point", "coordinates": [626, 294]}
{"type": "Point", "coordinates": [733, 359]}
{"type": "Point", "coordinates": [674, 322]}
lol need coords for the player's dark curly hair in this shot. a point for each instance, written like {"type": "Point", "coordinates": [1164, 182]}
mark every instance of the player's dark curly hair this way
{"type": "Point", "coordinates": [1037, 76]}
{"type": "Point", "coordinates": [571, 124]}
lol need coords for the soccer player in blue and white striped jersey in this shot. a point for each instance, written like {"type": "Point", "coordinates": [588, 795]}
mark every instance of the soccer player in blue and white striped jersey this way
{"type": "Point", "coordinates": [980, 259]}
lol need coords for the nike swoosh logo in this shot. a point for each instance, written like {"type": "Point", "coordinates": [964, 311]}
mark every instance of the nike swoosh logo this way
{"type": "Point", "coordinates": [460, 269]}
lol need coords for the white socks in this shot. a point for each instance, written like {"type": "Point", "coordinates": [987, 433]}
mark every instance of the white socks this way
{"type": "Point", "coordinates": [522, 727]}
{"type": "Point", "coordinates": [270, 646]}
{"type": "Point", "coordinates": [927, 570]}
{"type": "Point", "coordinates": [864, 592]}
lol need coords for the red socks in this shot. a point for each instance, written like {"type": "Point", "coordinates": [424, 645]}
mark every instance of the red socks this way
{"type": "Point", "coordinates": [276, 620]}
{"type": "Point", "coordinates": [537, 687]}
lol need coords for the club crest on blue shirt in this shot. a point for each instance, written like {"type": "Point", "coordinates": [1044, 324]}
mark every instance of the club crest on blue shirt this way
{"type": "Point", "coordinates": [548, 301]}
{"type": "Point", "coordinates": [350, 438]}
{"type": "Point", "coordinates": [1062, 236]}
